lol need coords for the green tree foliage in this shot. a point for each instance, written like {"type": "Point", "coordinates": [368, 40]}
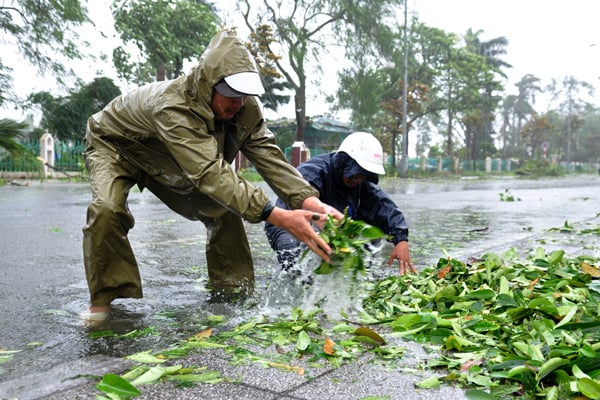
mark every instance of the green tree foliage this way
{"type": "Point", "coordinates": [306, 31]}
{"type": "Point", "coordinates": [10, 131]}
{"type": "Point", "coordinates": [565, 128]}
{"type": "Point", "coordinates": [571, 106]}
{"type": "Point", "coordinates": [534, 132]}
{"type": "Point", "coordinates": [516, 110]}
{"type": "Point", "coordinates": [372, 88]}
{"type": "Point", "coordinates": [40, 30]}
{"type": "Point", "coordinates": [447, 80]}
{"type": "Point", "coordinates": [430, 76]}
{"type": "Point", "coordinates": [166, 34]}
{"type": "Point", "coordinates": [456, 89]}
{"type": "Point", "coordinates": [66, 117]}
{"type": "Point", "coordinates": [587, 137]}
{"type": "Point", "coordinates": [478, 136]}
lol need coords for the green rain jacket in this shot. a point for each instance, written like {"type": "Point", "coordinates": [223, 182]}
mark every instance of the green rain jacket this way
{"type": "Point", "coordinates": [169, 131]}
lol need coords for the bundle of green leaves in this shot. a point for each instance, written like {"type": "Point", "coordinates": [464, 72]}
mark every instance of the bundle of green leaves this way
{"type": "Point", "coordinates": [348, 239]}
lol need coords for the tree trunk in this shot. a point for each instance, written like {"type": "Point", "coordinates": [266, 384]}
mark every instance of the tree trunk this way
{"type": "Point", "coordinates": [394, 141]}
{"type": "Point", "coordinates": [160, 73]}
{"type": "Point", "coordinates": [475, 144]}
{"type": "Point", "coordinates": [449, 144]}
{"type": "Point", "coordinates": [300, 103]}
{"type": "Point", "coordinates": [468, 142]}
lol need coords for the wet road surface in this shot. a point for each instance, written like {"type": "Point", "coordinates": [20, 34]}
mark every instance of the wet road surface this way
{"type": "Point", "coordinates": [42, 281]}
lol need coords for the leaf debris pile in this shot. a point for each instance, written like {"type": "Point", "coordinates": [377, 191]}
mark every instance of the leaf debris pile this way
{"type": "Point", "coordinates": [518, 327]}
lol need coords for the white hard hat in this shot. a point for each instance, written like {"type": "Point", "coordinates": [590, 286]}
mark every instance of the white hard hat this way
{"type": "Point", "coordinates": [366, 150]}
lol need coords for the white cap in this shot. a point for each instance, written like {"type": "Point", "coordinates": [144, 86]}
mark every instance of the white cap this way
{"type": "Point", "coordinates": [246, 82]}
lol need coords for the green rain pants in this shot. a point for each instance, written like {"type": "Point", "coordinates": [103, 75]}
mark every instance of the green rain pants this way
{"type": "Point", "coordinates": [110, 266]}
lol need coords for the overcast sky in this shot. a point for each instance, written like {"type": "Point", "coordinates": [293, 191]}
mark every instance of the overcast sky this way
{"type": "Point", "coordinates": [547, 38]}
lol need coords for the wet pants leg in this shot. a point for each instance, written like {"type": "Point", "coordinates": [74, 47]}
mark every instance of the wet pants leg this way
{"type": "Point", "coordinates": [285, 245]}
{"type": "Point", "coordinates": [110, 266]}
{"type": "Point", "coordinates": [111, 269]}
{"type": "Point", "coordinates": [228, 255]}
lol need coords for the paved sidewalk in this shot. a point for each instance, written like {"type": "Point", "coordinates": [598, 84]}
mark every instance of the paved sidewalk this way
{"type": "Point", "coordinates": [357, 380]}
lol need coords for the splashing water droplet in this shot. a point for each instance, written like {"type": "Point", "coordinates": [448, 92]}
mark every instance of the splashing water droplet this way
{"type": "Point", "coordinates": [295, 285]}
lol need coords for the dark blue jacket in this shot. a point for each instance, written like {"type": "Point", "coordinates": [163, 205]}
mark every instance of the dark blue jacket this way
{"type": "Point", "coordinates": [366, 202]}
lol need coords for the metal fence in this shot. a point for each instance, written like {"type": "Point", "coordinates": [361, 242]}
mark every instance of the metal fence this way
{"type": "Point", "coordinates": [67, 157]}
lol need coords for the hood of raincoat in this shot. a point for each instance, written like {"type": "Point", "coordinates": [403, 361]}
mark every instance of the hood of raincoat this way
{"type": "Point", "coordinates": [225, 55]}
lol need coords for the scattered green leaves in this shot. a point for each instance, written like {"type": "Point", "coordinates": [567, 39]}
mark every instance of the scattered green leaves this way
{"type": "Point", "coordinates": [7, 355]}
{"type": "Point", "coordinates": [116, 385]}
{"type": "Point", "coordinates": [566, 228]}
{"type": "Point", "coordinates": [429, 383]}
{"type": "Point", "coordinates": [129, 335]}
{"type": "Point", "coordinates": [146, 358]}
{"type": "Point", "coordinates": [508, 196]}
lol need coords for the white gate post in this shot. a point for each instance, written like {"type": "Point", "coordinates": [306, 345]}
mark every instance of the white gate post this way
{"type": "Point", "coordinates": [47, 154]}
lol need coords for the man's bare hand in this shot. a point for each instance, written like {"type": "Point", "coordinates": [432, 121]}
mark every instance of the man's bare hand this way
{"type": "Point", "coordinates": [402, 254]}
{"type": "Point", "coordinates": [314, 204]}
{"type": "Point", "coordinates": [298, 223]}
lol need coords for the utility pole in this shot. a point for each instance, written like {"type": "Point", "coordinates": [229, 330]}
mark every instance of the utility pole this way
{"type": "Point", "coordinates": [404, 163]}
{"type": "Point", "coordinates": [570, 83]}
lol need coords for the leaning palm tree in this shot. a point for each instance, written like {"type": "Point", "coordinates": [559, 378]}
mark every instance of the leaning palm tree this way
{"type": "Point", "coordinates": [491, 51]}
{"type": "Point", "coordinates": [10, 131]}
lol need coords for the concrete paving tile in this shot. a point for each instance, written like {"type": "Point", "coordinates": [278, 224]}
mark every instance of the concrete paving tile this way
{"type": "Point", "coordinates": [364, 379]}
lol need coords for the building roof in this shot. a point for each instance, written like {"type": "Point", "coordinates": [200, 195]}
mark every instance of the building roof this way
{"type": "Point", "coordinates": [317, 123]}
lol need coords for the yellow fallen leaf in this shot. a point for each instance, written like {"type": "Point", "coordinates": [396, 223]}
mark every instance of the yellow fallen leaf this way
{"type": "Point", "coordinates": [533, 282]}
{"type": "Point", "coordinates": [298, 370]}
{"type": "Point", "coordinates": [443, 272]}
{"type": "Point", "coordinates": [589, 269]}
{"type": "Point", "coordinates": [328, 346]}
{"type": "Point", "coordinates": [205, 334]}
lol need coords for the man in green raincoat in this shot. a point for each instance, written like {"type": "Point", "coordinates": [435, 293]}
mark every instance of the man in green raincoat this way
{"type": "Point", "coordinates": [178, 138]}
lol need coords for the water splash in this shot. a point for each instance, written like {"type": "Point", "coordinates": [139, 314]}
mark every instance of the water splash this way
{"type": "Point", "coordinates": [336, 293]}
